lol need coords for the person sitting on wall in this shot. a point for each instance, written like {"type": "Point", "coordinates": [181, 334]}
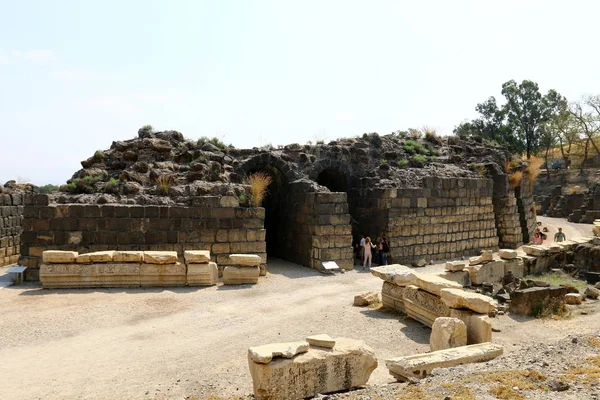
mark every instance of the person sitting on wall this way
{"type": "Point", "coordinates": [368, 255]}
{"type": "Point", "coordinates": [560, 236]}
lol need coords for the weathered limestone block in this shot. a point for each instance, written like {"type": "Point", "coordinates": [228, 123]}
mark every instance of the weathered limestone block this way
{"type": "Point", "coordinates": [455, 266]}
{"type": "Point", "coordinates": [433, 283]}
{"type": "Point", "coordinates": [507, 254]}
{"type": "Point", "coordinates": [487, 255]}
{"type": "Point", "coordinates": [457, 298]}
{"type": "Point", "coordinates": [525, 301]}
{"type": "Point", "coordinates": [96, 257]}
{"type": "Point", "coordinates": [240, 275]}
{"type": "Point", "coordinates": [573, 298]}
{"type": "Point", "coordinates": [479, 327]}
{"type": "Point", "coordinates": [250, 260]}
{"type": "Point", "coordinates": [591, 293]}
{"type": "Point", "coordinates": [365, 299]}
{"type": "Point", "coordinates": [423, 306]}
{"type": "Point", "coordinates": [554, 248]}
{"type": "Point", "coordinates": [447, 333]}
{"type": "Point", "coordinates": [263, 269]}
{"type": "Point", "coordinates": [59, 257]}
{"type": "Point", "coordinates": [128, 256]}
{"type": "Point", "coordinates": [392, 296]}
{"type": "Point", "coordinates": [535, 250]}
{"type": "Point", "coordinates": [160, 257]}
{"type": "Point", "coordinates": [515, 266]}
{"type": "Point", "coordinates": [321, 340]}
{"type": "Point", "coordinates": [461, 277]}
{"type": "Point", "coordinates": [420, 365]}
{"type": "Point", "coordinates": [265, 353]}
{"type": "Point", "coordinates": [349, 364]}
{"type": "Point", "coordinates": [196, 256]}
{"type": "Point", "coordinates": [162, 274]}
{"type": "Point", "coordinates": [394, 273]}
{"type": "Point", "coordinates": [202, 274]}
{"type": "Point", "coordinates": [490, 272]}
{"type": "Point", "coordinates": [89, 275]}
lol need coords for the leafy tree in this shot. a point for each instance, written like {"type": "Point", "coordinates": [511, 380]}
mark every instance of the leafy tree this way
{"type": "Point", "coordinates": [47, 189]}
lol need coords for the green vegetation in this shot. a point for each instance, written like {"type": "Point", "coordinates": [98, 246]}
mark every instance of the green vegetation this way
{"type": "Point", "coordinates": [402, 163]}
{"type": "Point", "coordinates": [98, 156]}
{"type": "Point", "coordinates": [214, 141]}
{"type": "Point", "coordinates": [47, 189]}
{"type": "Point", "coordinates": [85, 184]}
{"type": "Point", "coordinates": [164, 183]}
{"type": "Point", "coordinates": [112, 186]}
{"type": "Point", "coordinates": [418, 158]}
{"type": "Point", "coordinates": [559, 279]}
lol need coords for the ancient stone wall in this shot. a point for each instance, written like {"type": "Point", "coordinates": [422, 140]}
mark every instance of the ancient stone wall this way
{"type": "Point", "coordinates": [447, 218]}
{"type": "Point", "coordinates": [214, 223]}
{"type": "Point", "coordinates": [11, 216]}
{"type": "Point", "coordinates": [506, 210]}
{"type": "Point", "coordinates": [526, 207]}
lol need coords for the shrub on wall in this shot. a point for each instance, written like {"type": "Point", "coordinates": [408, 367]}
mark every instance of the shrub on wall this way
{"type": "Point", "coordinates": [259, 182]}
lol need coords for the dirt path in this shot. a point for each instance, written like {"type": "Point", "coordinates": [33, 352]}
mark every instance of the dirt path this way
{"type": "Point", "coordinates": [173, 343]}
{"type": "Point", "coordinates": [570, 229]}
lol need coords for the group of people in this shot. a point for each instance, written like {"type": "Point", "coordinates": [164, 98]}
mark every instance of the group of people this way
{"type": "Point", "coordinates": [365, 249]}
{"type": "Point", "coordinates": [539, 236]}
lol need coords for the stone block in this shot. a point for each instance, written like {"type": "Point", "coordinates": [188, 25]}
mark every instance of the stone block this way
{"type": "Point", "coordinates": [395, 273]}
{"type": "Point", "coordinates": [265, 353]}
{"type": "Point", "coordinates": [90, 275]}
{"type": "Point", "coordinates": [447, 333]}
{"type": "Point", "coordinates": [392, 297]}
{"type": "Point", "coordinates": [196, 256]}
{"type": "Point", "coordinates": [423, 306]}
{"type": "Point", "coordinates": [321, 340]}
{"type": "Point", "coordinates": [490, 272]}
{"type": "Point", "coordinates": [526, 301]}
{"type": "Point", "coordinates": [59, 257]}
{"type": "Point", "coordinates": [433, 283]}
{"type": "Point", "coordinates": [128, 256]}
{"type": "Point", "coordinates": [420, 366]}
{"type": "Point", "coordinates": [202, 274]}
{"type": "Point", "coordinates": [160, 257]}
{"type": "Point", "coordinates": [573, 298]}
{"type": "Point", "coordinates": [535, 250]}
{"type": "Point", "coordinates": [515, 266]}
{"type": "Point", "coordinates": [96, 257]}
{"type": "Point", "coordinates": [233, 275]}
{"type": "Point", "coordinates": [365, 299]}
{"type": "Point", "coordinates": [461, 277]}
{"type": "Point", "coordinates": [455, 266]}
{"type": "Point", "coordinates": [348, 365]}
{"type": "Point", "coordinates": [487, 255]}
{"type": "Point", "coordinates": [507, 254]}
{"type": "Point", "coordinates": [479, 327]}
{"type": "Point", "coordinates": [457, 298]}
{"type": "Point", "coordinates": [162, 274]}
{"type": "Point", "coordinates": [250, 260]}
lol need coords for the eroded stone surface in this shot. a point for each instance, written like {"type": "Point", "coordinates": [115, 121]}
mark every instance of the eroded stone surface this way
{"type": "Point", "coordinates": [446, 333]}
{"type": "Point", "coordinates": [163, 274]}
{"type": "Point", "coordinates": [455, 265]}
{"type": "Point", "coordinates": [160, 257]}
{"type": "Point", "coordinates": [348, 365]}
{"type": "Point", "coordinates": [96, 257]}
{"type": "Point", "coordinates": [420, 365]}
{"type": "Point", "coordinates": [490, 272]}
{"type": "Point", "coordinates": [364, 299]}
{"type": "Point", "coordinates": [128, 256]}
{"type": "Point", "coordinates": [202, 274]}
{"type": "Point", "coordinates": [196, 256]}
{"type": "Point", "coordinates": [322, 340]}
{"type": "Point", "coordinates": [507, 254]}
{"type": "Point", "coordinates": [250, 260]}
{"type": "Point", "coordinates": [457, 298]}
{"type": "Point", "coordinates": [265, 353]}
{"type": "Point", "coordinates": [389, 272]}
{"type": "Point", "coordinates": [479, 327]}
{"type": "Point", "coordinates": [59, 257]}
{"type": "Point", "coordinates": [89, 275]}
{"type": "Point", "coordinates": [423, 306]}
{"type": "Point", "coordinates": [433, 283]}
{"type": "Point", "coordinates": [573, 298]}
{"type": "Point", "coordinates": [392, 296]}
{"type": "Point", "coordinates": [240, 275]}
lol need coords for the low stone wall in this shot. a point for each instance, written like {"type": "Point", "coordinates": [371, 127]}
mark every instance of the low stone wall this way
{"type": "Point", "coordinates": [11, 217]}
{"type": "Point", "coordinates": [217, 224]}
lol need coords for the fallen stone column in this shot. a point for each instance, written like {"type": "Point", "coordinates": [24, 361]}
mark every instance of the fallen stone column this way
{"type": "Point", "coordinates": [54, 276]}
{"type": "Point", "coordinates": [348, 364]}
{"type": "Point", "coordinates": [420, 365]}
{"type": "Point", "coordinates": [423, 306]}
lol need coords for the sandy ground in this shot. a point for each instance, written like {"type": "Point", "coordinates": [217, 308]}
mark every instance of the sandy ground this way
{"type": "Point", "coordinates": [180, 342]}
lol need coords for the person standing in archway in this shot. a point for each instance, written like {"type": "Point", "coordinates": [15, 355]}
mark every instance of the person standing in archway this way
{"type": "Point", "coordinates": [362, 248]}
{"type": "Point", "coordinates": [368, 252]}
{"type": "Point", "coordinates": [384, 249]}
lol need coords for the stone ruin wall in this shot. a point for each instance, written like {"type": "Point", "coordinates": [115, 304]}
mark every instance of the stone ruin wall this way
{"type": "Point", "coordinates": [215, 223]}
{"type": "Point", "coordinates": [11, 216]}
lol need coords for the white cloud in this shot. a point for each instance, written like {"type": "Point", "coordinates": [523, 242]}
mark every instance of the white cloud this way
{"type": "Point", "coordinates": [75, 74]}
{"type": "Point", "coordinates": [40, 55]}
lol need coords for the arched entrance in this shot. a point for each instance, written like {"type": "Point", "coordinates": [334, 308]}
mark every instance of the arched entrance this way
{"type": "Point", "coordinates": [333, 180]}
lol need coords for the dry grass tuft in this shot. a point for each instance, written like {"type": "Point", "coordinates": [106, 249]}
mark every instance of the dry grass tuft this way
{"type": "Point", "coordinates": [511, 164]}
{"type": "Point", "coordinates": [506, 393]}
{"type": "Point", "coordinates": [594, 341]}
{"type": "Point", "coordinates": [575, 190]}
{"type": "Point", "coordinates": [164, 183]}
{"type": "Point", "coordinates": [515, 178]}
{"type": "Point", "coordinates": [259, 182]}
{"type": "Point", "coordinates": [532, 170]}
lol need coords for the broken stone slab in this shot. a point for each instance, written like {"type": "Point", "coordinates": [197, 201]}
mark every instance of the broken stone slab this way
{"type": "Point", "coordinates": [487, 255]}
{"type": "Point", "coordinates": [392, 296]}
{"type": "Point", "coordinates": [455, 266]}
{"type": "Point", "coordinates": [433, 283]}
{"type": "Point", "coordinates": [446, 333]}
{"type": "Point", "coordinates": [419, 263]}
{"type": "Point", "coordinates": [160, 257]}
{"type": "Point", "coordinates": [389, 272]}
{"type": "Point", "coordinates": [554, 248]}
{"type": "Point", "coordinates": [202, 274]}
{"type": "Point", "coordinates": [515, 266]}
{"type": "Point", "coordinates": [348, 365]}
{"type": "Point", "coordinates": [245, 260]}
{"type": "Point", "coordinates": [240, 275]}
{"type": "Point", "coordinates": [420, 366]}
{"type": "Point", "coordinates": [265, 353]}
{"type": "Point", "coordinates": [59, 257]}
{"type": "Point", "coordinates": [461, 277]}
{"type": "Point", "coordinates": [365, 299]}
{"type": "Point", "coordinates": [489, 272]}
{"type": "Point", "coordinates": [583, 240]}
{"type": "Point", "coordinates": [476, 260]}
{"type": "Point", "coordinates": [322, 340]}
{"type": "Point", "coordinates": [507, 254]}
{"type": "Point", "coordinates": [525, 301]}
{"type": "Point", "coordinates": [423, 306]}
{"type": "Point", "coordinates": [573, 298]}
{"type": "Point", "coordinates": [161, 275]}
{"type": "Point", "coordinates": [196, 256]}
{"type": "Point", "coordinates": [535, 250]}
{"type": "Point", "coordinates": [128, 256]}
{"type": "Point", "coordinates": [95, 257]}
{"type": "Point", "coordinates": [458, 298]}
{"type": "Point", "coordinates": [479, 327]}
{"type": "Point", "coordinates": [105, 275]}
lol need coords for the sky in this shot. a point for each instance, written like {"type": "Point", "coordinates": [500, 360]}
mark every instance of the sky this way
{"type": "Point", "coordinates": [77, 75]}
